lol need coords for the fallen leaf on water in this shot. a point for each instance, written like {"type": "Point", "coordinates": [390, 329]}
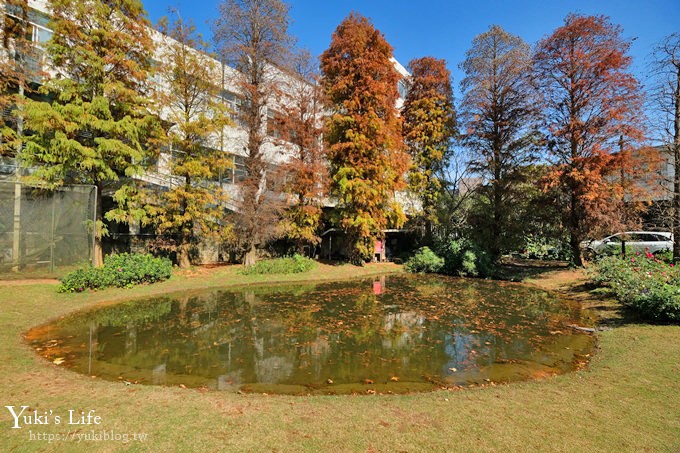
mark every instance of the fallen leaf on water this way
{"type": "Point", "coordinates": [394, 379]}
{"type": "Point", "coordinates": [453, 370]}
{"type": "Point", "coordinates": [329, 381]}
{"type": "Point", "coordinates": [182, 386]}
{"type": "Point", "coordinates": [58, 361]}
{"type": "Point", "coordinates": [368, 381]}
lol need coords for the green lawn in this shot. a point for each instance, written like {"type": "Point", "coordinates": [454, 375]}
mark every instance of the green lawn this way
{"type": "Point", "coordinates": [628, 399]}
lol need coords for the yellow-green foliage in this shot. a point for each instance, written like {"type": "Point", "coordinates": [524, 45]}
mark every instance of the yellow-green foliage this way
{"type": "Point", "coordinates": [365, 149]}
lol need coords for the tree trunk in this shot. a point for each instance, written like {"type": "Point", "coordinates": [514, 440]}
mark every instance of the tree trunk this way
{"type": "Point", "coordinates": [184, 249]}
{"type": "Point", "coordinates": [574, 239]}
{"type": "Point", "coordinates": [184, 254]}
{"type": "Point", "coordinates": [98, 251]}
{"type": "Point", "coordinates": [676, 176]}
{"type": "Point", "coordinates": [498, 221]}
{"type": "Point", "coordinates": [16, 238]}
{"type": "Point", "coordinates": [251, 256]}
{"type": "Point", "coordinates": [429, 231]}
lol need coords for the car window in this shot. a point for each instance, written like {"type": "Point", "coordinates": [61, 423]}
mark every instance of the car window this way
{"type": "Point", "coordinates": [646, 237]}
{"type": "Point", "coordinates": [616, 238]}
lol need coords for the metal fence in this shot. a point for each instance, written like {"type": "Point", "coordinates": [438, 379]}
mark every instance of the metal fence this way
{"type": "Point", "coordinates": [45, 232]}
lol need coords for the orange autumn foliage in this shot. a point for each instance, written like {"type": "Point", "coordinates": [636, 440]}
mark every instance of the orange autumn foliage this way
{"type": "Point", "coordinates": [365, 149]}
{"type": "Point", "coordinates": [592, 104]}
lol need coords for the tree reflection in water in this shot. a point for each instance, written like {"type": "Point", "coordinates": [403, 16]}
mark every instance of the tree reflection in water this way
{"type": "Point", "coordinates": [399, 333]}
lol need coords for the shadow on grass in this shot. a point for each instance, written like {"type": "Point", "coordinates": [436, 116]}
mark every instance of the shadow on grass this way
{"type": "Point", "coordinates": [332, 262]}
{"type": "Point", "coordinates": [607, 312]}
{"type": "Point", "coordinates": [520, 270]}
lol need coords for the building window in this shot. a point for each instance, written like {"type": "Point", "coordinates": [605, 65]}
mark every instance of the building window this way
{"type": "Point", "coordinates": [275, 178]}
{"type": "Point", "coordinates": [227, 175]}
{"type": "Point", "coordinates": [402, 87]}
{"type": "Point", "coordinates": [233, 102]}
{"type": "Point", "coordinates": [274, 124]}
{"type": "Point", "coordinates": [240, 170]}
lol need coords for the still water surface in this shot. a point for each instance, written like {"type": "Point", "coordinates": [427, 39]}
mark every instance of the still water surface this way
{"type": "Point", "coordinates": [390, 334]}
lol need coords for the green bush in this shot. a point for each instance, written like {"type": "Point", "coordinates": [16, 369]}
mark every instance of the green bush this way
{"type": "Point", "coordinates": [289, 265]}
{"type": "Point", "coordinates": [643, 282]}
{"type": "Point", "coordinates": [122, 270]}
{"type": "Point", "coordinates": [464, 258]}
{"type": "Point", "coordinates": [615, 251]}
{"type": "Point", "coordinates": [544, 248]}
{"type": "Point", "coordinates": [665, 256]}
{"type": "Point", "coordinates": [425, 260]}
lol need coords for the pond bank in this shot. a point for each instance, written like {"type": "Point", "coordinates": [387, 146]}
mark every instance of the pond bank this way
{"type": "Point", "coordinates": [626, 399]}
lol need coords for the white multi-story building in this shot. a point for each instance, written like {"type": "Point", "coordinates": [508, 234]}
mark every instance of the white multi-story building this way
{"type": "Point", "coordinates": [232, 140]}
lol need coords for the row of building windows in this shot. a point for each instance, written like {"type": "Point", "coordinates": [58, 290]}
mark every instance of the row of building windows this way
{"type": "Point", "coordinates": [34, 32]}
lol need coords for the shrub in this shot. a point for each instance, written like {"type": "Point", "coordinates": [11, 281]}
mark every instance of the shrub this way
{"type": "Point", "coordinates": [615, 251]}
{"type": "Point", "coordinates": [464, 258]}
{"type": "Point", "coordinates": [665, 255]}
{"type": "Point", "coordinates": [643, 282]}
{"type": "Point", "coordinates": [425, 260]}
{"type": "Point", "coordinates": [289, 265]}
{"type": "Point", "coordinates": [122, 270]}
{"type": "Point", "coordinates": [545, 248]}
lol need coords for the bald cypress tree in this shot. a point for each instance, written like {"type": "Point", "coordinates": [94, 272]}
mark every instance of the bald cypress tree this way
{"type": "Point", "coordinates": [252, 36]}
{"type": "Point", "coordinates": [365, 147]}
{"type": "Point", "coordinates": [500, 116]}
{"type": "Point", "coordinates": [429, 128]}
{"type": "Point", "coordinates": [94, 128]}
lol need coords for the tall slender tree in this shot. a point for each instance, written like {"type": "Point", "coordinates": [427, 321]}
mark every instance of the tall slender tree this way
{"type": "Point", "coordinates": [666, 97]}
{"type": "Point", "coordinates": [429, 127]}
{"type": "Point", "coordinates": [94, 129]}
{"type": "Point", "coordinates": [18, 55]}
{"type": "Point", "coordinates": [188, 97]}
{"type": "Point", "coordinates": [499, 111]}
{"type": "Point", "coordinates": [300, 127]}
{"type": "Point", "coordinates": [365, 147]}
{"type": "Point", "coordinates": [252, 36]}
{"type": "Point", "coordinates": [19, 70]}
{"type": "Point", "coordinates": [591, 100]}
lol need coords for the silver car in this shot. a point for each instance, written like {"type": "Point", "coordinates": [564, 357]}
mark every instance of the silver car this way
{"type": "Point", "coordinates": [637, 241]}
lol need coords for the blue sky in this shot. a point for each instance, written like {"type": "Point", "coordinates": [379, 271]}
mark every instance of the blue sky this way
{"type": "Point", "coordinates": [444, 29]}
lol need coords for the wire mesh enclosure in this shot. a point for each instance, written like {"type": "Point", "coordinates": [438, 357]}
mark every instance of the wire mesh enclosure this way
{"type": "Point", "coordinates": [45, 232]}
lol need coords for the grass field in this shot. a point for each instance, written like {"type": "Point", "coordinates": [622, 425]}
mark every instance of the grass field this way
{"type": "Point", "coordinates": [627, 399]}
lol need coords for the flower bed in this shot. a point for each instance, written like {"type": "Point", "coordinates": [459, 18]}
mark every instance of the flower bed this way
{"type": "Point", "coordinates": [644, 282]}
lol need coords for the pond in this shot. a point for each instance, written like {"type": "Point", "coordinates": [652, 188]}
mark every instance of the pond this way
{"type": "Point", "coordinates": [389, 334]}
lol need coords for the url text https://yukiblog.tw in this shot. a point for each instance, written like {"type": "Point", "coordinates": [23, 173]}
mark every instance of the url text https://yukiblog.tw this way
{"type": "Point", "coordinates": [79, 422]}
{"type": "Point", "coordinates": [86, 436]}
